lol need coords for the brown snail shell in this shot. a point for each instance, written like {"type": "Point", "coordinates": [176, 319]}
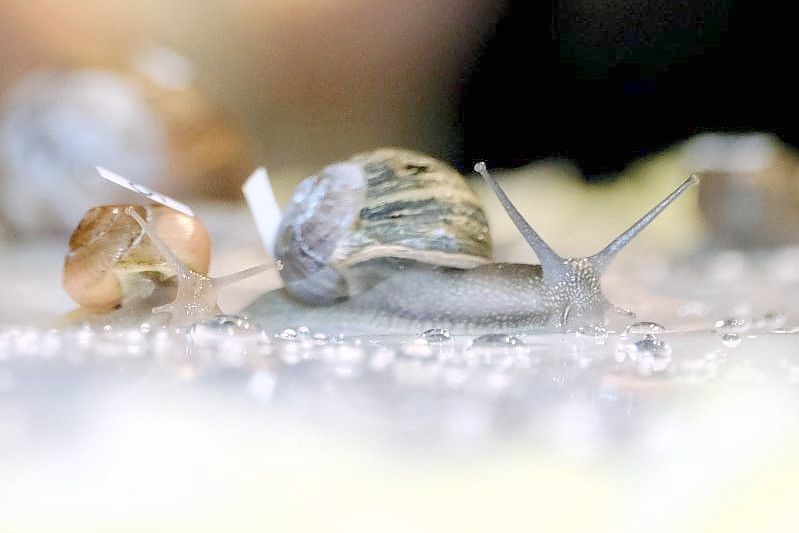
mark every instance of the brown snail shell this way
{"type": "Point", "coordinates": [111, 261]}
{"type": "Point", "coordinates": [390, 205]}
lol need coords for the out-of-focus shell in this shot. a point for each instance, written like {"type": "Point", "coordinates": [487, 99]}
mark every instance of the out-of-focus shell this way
{"type": "Point", "coordinates": [749, 195]}
{"type": "Point", "coordinates": [389, 204]}
{"type": "Point", "coordinates": [148, 122]}
{"type": "Point", "coordinates": [111, 261]}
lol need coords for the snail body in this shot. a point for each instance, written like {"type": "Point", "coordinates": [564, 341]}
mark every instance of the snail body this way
{"type": "Point", "coordinates": [487, 298]}
{"type": "Point", "coordinates": [406, 295]}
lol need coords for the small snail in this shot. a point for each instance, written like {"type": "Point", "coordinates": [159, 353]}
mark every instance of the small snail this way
{"type": "Point", "coordinates": [408, 292]}
{"type": "Point", "coordinates": [112, 262]}
{"type": "Point", "coordinates": [142, 259]}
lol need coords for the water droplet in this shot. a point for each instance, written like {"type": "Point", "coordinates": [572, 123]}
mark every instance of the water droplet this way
{"type": "Point", "coordinates": [732, 325]}
{"type": "Point", "coordinates": [493, 349]}
{"type": "Point", "coordinates": [436, 335]}
{"type": "Point", "coordinates": [592, 330]}
{"type": "Point", "coordinates": [145, 327]}
{"type": "Point", "coordinates": [223, 324]}
{"type": "Point", "coordinates": [731, 340]}
{"type": "Point", "coordinates": [644, 328]}
{"type": "Point", "coordinates": [287, 334]}
{"type": "Point", "coordinates": [653, 346]}
{"type": "Point", "coordinates": [651, 354]}
{"type": "Point", "coordinates": [303, 331]}
{"type": "Point", "coordinates": [499, 340]}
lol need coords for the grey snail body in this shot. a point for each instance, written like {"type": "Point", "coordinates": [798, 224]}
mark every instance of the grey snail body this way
{"type": "Point", "coordinates": [488, 298]}
{"type": "Point", "coordinates": [407, 294]}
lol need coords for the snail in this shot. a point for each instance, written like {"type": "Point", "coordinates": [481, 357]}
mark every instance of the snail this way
{"type": "Point", "coordinates": [749, 197]}
{"type": "Point", "coordinates": [131, 261]}
{"type": "Point", "coordinates": [148, 120]}
{"type": "Point", "coordinates": [413, 289]}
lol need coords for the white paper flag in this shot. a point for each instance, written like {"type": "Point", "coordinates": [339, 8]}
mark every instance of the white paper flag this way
{"type": "Point", "coordinates": [145, 191]}
{"type": "Point", "coordinates": [263, 207]}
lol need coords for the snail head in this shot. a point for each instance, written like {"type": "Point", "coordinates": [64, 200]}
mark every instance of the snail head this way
{"type": "Point", "coordinates": [572, 287]}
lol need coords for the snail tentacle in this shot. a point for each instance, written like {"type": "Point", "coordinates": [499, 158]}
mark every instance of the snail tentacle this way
{"type": "Point", "coordinates": [196, 296]}
{"type": "Point", "coordinates": [602, 259]}
{"type": "Point", "coordinates": [230, 279]}
{"type": "Point", "coordinates": [196, 293]}
{"type": "Point", "coordinates": [551, 262]}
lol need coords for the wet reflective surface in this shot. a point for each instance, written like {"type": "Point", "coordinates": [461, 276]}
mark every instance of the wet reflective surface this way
{"type": "Point", "coordinates": [692, 400]}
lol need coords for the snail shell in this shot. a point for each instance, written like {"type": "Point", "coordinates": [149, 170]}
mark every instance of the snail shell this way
{"type": "Point", "coordinates": [377, 207]}
{"type": "Point", "coordinates": [749, 195]}
{"type": "Point", "coordinates": [112, 262]}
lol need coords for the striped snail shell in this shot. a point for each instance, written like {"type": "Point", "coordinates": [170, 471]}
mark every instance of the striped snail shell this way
{"type": "Point", "coordinates": [112, 261]}
{"type": "Point", "coordinates": [559, 293]}
{"type": "Point", "coordinates": [381, 207]}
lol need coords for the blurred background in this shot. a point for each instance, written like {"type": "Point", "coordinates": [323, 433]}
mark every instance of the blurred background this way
{"type": "Point", "coordinates": [304, 83]}
{"type": "Point", "coordinates": [188, 98]}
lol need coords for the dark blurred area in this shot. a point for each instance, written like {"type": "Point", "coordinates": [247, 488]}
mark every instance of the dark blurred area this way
{"type": "Point", "coordinates": [605, 82]}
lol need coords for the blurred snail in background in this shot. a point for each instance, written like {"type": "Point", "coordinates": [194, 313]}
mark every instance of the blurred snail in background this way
{"type": "Point", "coordinates": [749, 197]}
{"type": "Point", "coordinates": [431, 267]}
{"type": "Point", "coordinates": [143, 117]}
